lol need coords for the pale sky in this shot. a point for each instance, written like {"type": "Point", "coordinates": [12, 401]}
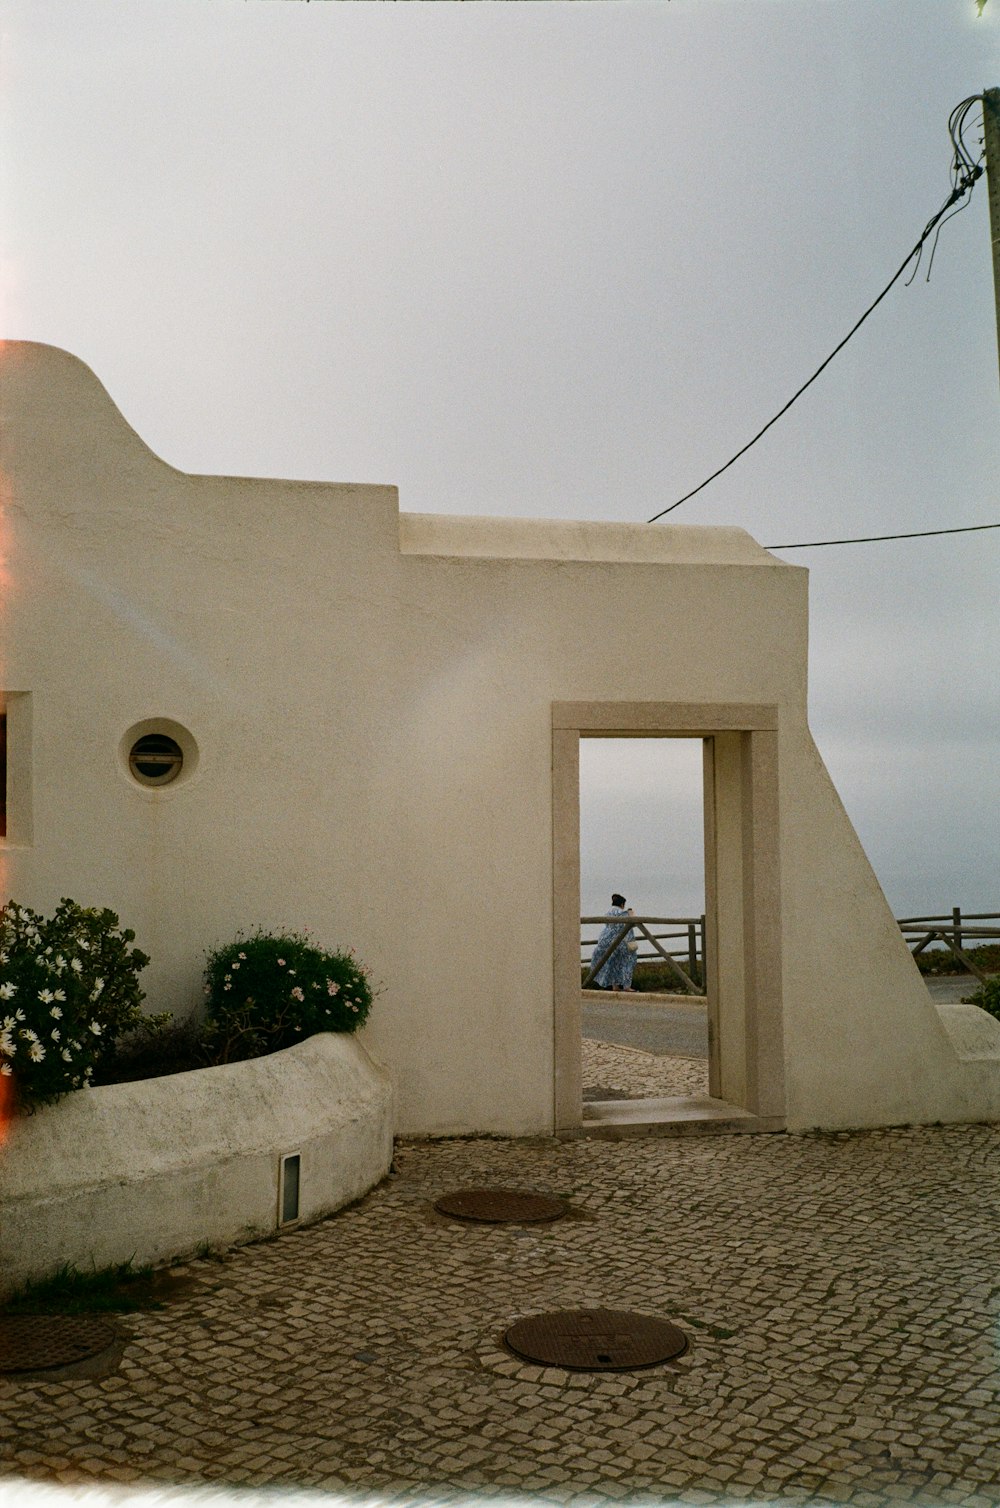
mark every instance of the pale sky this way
{"type": "Point", "coordinates": [563, 259]}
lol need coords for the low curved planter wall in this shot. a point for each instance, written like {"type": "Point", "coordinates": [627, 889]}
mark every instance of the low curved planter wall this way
{"type": "Point", "coordinates": [155, 1169]}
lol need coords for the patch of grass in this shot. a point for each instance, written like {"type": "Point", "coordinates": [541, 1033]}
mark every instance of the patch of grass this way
{"type": "Point", "coordinates": [119, 1289]}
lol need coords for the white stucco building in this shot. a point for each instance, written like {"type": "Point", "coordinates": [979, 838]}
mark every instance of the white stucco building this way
{"type": "Point", "coordinates": [379, 716]}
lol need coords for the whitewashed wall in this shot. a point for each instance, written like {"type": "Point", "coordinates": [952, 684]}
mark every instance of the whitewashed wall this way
{"type": "Point", "coordinates": [370, 696]}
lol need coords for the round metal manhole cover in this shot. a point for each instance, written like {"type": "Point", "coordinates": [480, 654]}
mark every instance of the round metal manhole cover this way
{"type": "Point", "coordinates": [494, 1206]}
{"type": "Point", "coordinates": [595, 1340]}
{"type": "Point", "coordinates": [36, 1342]}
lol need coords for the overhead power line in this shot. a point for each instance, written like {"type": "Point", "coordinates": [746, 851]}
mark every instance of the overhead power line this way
{"type": "Point", "coordinates": [868, 539]}
{"type": "Point", "coordinates": [964, 173]}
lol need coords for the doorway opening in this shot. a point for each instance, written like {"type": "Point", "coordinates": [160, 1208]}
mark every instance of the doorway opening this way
{"type": "Point", "coordinates": [644, 1016]}
{"type": "Point", "coordinates": [741, 953]}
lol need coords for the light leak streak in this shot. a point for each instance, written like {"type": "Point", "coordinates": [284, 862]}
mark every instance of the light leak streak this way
{"type": "Point", "coordinates": [6, 1104]}
{"type": "Point", "coordinates": [6, 1080]}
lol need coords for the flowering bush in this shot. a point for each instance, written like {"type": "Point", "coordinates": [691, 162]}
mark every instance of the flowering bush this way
{"type": "Point", "coordinates": [68, 987]}
{"type": "Point", "coordinates": [266, 992]}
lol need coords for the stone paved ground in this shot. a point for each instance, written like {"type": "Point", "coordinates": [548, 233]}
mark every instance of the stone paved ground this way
{"type": "Point", "coordinates": [631, 1074]}
{"type": "Point", "coordinates": [840, 1293]}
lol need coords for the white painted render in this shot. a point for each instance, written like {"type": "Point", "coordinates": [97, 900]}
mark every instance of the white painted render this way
{"type": "Point", "coordinates": [370, 695]}
{"type": "Point", "coordinates": [154, 1170]}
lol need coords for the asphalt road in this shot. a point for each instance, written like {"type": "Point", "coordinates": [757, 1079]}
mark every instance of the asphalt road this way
{"type": "Point", "coordinates": [666, 1030]}
{"type": "Point", "coordinates": [682, 1030]}
{"type": "Point", "coordinates": [951, 986]}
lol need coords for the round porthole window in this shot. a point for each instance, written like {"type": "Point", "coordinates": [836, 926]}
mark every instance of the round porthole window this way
{"type": "Point", "coordinates": [156, 759]}
{"type": "Point", "coordinates": [157, 753]}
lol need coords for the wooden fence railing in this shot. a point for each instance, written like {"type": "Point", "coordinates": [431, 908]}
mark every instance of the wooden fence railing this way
{"type": "Point", "coordinates": [693, 951]}
{"type": "Point", "coordinates": [953, 931]}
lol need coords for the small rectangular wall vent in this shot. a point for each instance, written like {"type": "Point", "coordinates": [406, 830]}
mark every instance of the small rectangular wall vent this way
{"type": "Point", "coordinates": [288, 1188]}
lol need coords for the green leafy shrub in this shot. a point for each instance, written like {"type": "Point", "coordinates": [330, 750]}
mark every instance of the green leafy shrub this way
{"type": "Point", "coordinates": [266, 992]}
{"type": "Point", "coordinates": [660, 977]}
{"type": "Point", "coordinates": [656, 978]}
{"type": "Point", "coordinates": [943, 960]}
{"type": "Point", "coordinates": [156, 1049]}
{"type": "Point", "coordinates": [987, 997]}
{"type": "Point", "coordinates": [68, 987]}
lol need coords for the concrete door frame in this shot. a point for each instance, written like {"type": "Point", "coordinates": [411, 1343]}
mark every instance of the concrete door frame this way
{"type": "Point", "coordinates": [742, 891]}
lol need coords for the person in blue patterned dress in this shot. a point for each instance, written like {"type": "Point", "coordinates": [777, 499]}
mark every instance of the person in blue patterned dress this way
{"type": "Point", "coordinates": [616, 971]}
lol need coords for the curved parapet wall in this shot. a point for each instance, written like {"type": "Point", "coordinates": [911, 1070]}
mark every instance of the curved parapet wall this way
{"type": "Point", "coordinates": [154, 1170]}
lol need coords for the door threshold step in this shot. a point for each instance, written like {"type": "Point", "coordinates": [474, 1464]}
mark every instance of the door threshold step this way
{"type": "Point", "coordinates": [687, 1115]}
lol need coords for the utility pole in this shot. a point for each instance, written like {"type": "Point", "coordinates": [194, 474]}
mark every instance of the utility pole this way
{"type": "Point", "coordinates": [991, 131]}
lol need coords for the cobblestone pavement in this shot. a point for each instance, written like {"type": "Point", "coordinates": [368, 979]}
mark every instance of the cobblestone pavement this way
{"type": "Point", "coordinates": [613, 1072]}
{"type": "Point", "coordinates": [840, 1293]}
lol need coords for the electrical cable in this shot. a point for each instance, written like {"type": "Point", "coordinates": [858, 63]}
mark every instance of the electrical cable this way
{"type": "Point", "coordinates": [868, 539]}
{"type": "Point", "coordinates": [964, 173]}
{"type": "Point", "coordinates": [937, 233]}
{"type": "Point", "coordinates": [962, 164]}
